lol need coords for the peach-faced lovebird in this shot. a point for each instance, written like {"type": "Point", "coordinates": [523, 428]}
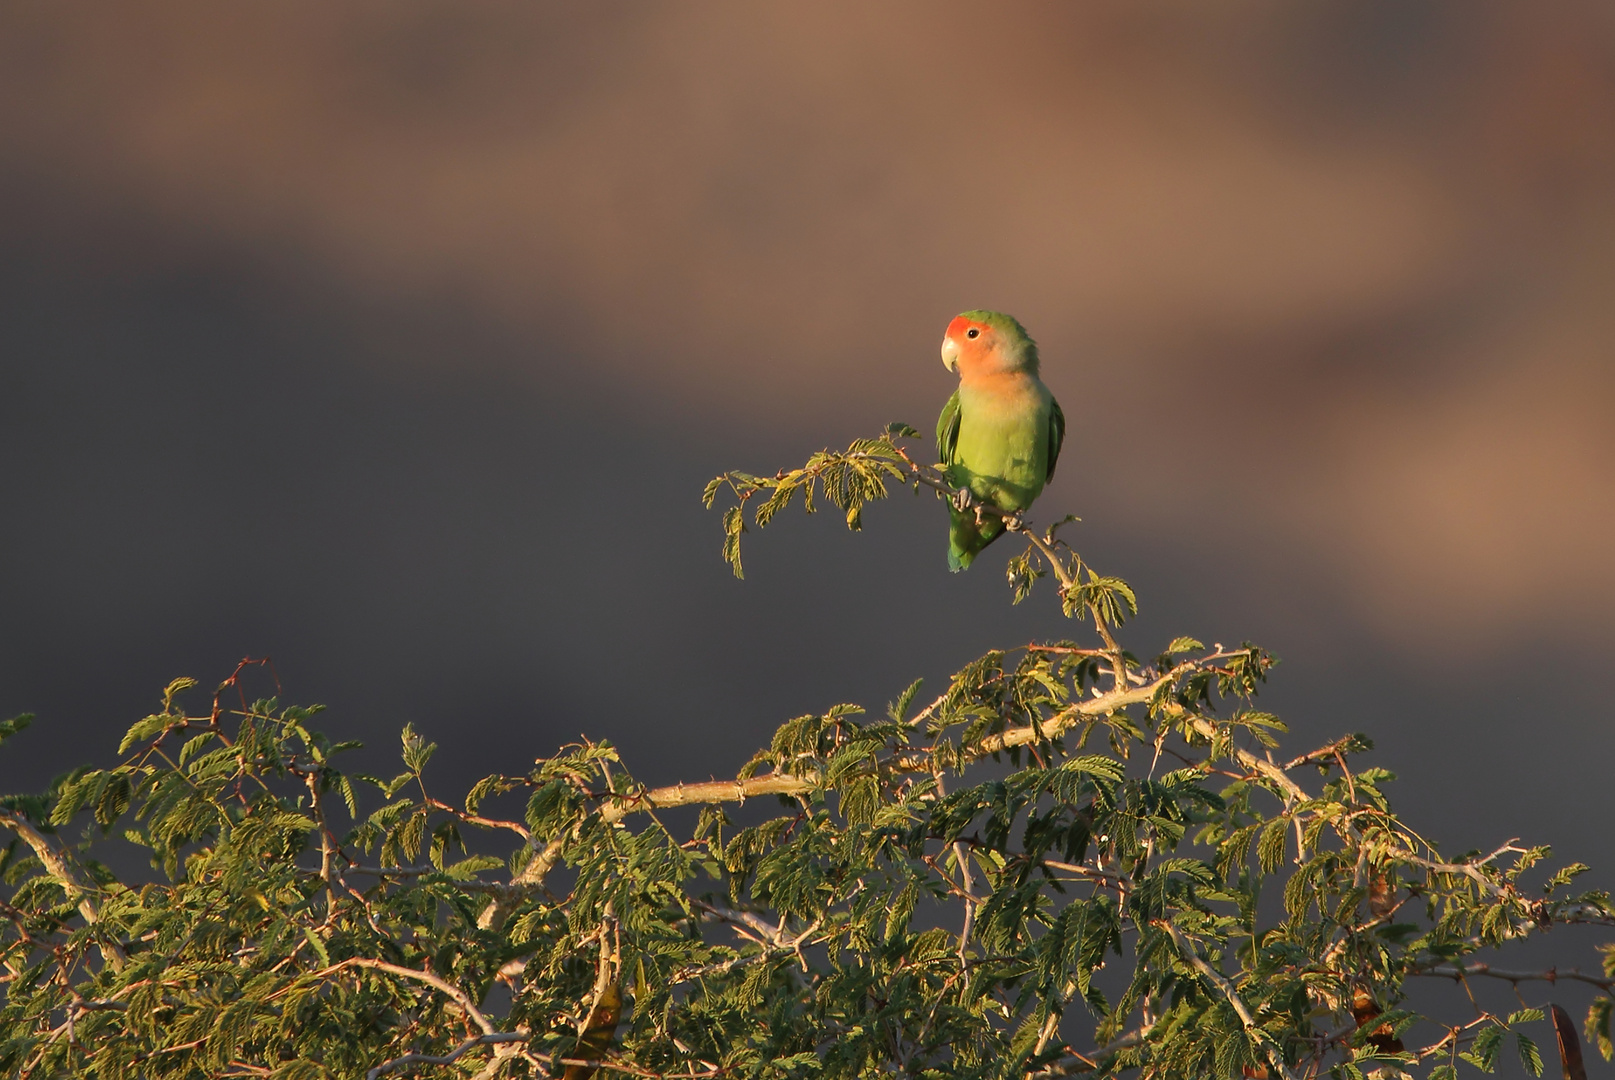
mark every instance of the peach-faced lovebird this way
{"type": "Point", "coordinates": [1000, 432]}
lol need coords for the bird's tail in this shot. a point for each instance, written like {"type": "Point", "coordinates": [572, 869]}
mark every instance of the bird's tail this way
{"type": "Point", "coordinates": [966, 539]}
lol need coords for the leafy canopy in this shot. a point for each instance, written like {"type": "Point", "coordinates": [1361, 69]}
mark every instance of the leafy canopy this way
{"type": "Point", "coordinates": [1075, 859]}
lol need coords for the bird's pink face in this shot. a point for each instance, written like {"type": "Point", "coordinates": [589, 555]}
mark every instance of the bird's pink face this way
{"type": "Point", "coordinates": [965, 344]}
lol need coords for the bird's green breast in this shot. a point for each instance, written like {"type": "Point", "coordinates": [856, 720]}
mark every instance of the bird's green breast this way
{"type": "Point", "coordinates": [1003, 448]}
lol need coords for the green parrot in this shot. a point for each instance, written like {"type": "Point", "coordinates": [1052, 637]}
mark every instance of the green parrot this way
{"type": "Point", "coordinates": [999, 435]}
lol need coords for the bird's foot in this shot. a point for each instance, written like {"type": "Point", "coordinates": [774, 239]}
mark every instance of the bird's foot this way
{"type": "Point", "coordinates": [961, 500]}
{"type": "Point", "coordinates": [1013, 523]}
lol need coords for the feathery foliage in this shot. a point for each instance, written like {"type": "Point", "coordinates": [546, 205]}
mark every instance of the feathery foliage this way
{"type": "Point", "coordinates": [1070, 861]}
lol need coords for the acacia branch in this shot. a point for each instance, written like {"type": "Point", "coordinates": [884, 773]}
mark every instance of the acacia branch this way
{"type": "Point", "coordinates": [1051, 1024]}
{"type": "Point", "coordinates": [55, 864]}
{"type": "Point", "coordinates": [1017, 524]}
{"type": "Point", "coordinates": [1456, 972]}
{"type": "Point", "coordinates": [1055, 726]}
{"type": "Point", "coordinates": [492, 1037]}
{"type": "Point", "coordinates": [620, 806]}
{"type": "Point", "coordinates": [962, 854]}
{"type": "Point", "coordinates": [718, 791]}
{"type": "Point", "coordinates": [468, 884]}
{"type": "Point", "coordinates": [62, 872]}
{"type": "Point", "coordinates": [615, 1065]}
{"type": "Point", "coordinates": [1212, 975]}
{"type": "Point", "coordinates": [1068, 581]}
{"type": "Point", "coordinates": [1470, 870]}
{"type": "Point", "coordinates": [477, 819]}
{"type": "Point", "coordinates": [1086, 1063]}
{"type": "Point", "coordinates": [1120, 882]}
{"type": "Point", "coordinates": [458, 996]}
{"type": "Point", "coordinates": [1014, 522]}
{"type": "Point", "coordinates": [1269, 770]}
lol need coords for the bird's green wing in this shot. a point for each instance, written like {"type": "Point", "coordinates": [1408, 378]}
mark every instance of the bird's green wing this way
{"type": "Point", "coordinates": [947, 430]}
{"type": "Point", "coordinates": [1056, 435]}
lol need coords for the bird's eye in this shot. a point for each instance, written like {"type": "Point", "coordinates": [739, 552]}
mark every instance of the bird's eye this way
{"type": "Point", "coordinates": [972, 332]}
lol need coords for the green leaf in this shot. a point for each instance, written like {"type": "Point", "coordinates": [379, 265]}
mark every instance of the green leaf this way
{"type": "Point", "coordinates": [898, 710]}
{"type": "Point", "coordinates": [734, 525]}
{"type": "Point", "coordinates": [1598, 1026]}
{"type": "Point", "coordinates": [1530, 1056]}
{"type": "Point", "coordinates": [1483, 1052]}
{"type": "Point", "coordinates": [173, 690]}
{"type": "Point", "coordinates": [417, 751]}
{"type": "Point", "coordinates": [317, 945]}
{"type": "Point", "coordinates": [349, 798]}
{"type": "Point", "coordinates": [1270, 846]}
{"type": "Point", "coordinates": [1021, 573]}
{"type": "Point", "coordinates": [1564, 877]}
{"type": "Point", "coordinates": [145, 730]}
{"type": "Point", "coordinates": [17, 723]}
{"type": "Point", "coordinates": [465, 869]}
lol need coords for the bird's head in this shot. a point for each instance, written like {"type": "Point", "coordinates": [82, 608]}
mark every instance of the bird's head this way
{"type": "Point", "coordinates": [987, 343]}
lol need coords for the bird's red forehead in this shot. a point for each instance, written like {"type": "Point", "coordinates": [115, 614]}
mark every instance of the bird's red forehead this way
{"type": "Point", "coordinates": [960, 324]}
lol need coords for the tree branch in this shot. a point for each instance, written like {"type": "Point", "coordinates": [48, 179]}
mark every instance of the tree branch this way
{"type": "Point", "coordinates": [458, 996]}
{"type": "Point", "coordinates": [718, 791]}
{"type": "Point", "coordinates": [1212, 975]}
{"type": "Point", "coordinates": [620, 806]}
{"type": "Point", "coordinates": [1551, 975]}
{"type": "Point", "coordinates": [492, 1037]}
{"type": "Point", "coordinates": [57, 866]}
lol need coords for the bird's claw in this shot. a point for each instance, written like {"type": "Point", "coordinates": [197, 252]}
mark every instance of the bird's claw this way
{"type": "Point", "coordinates": [961, 500]}
{"type": "Point", "coordinates": [1013, 523]}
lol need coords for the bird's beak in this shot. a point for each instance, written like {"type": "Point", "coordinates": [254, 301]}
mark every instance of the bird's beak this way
{"type": "Point", "coordinates": [950, 354]}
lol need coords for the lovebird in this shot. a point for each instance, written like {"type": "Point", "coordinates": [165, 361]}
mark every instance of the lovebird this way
{"type": "Point", "coordinates": [999, 435]}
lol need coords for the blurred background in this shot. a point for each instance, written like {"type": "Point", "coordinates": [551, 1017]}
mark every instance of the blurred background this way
{"type": "Point", "coordinates": [396, 342]}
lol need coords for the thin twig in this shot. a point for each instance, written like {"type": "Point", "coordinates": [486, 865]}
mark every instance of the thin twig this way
{"type": "Point", "coordinates": [1551, 975]}
{"type": "Point", "coordinates": [1212, 975]}
{"type": "Point", "coordinates": [451, 1057]}
{"type": "Point", "coordinates": [460, 997]}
